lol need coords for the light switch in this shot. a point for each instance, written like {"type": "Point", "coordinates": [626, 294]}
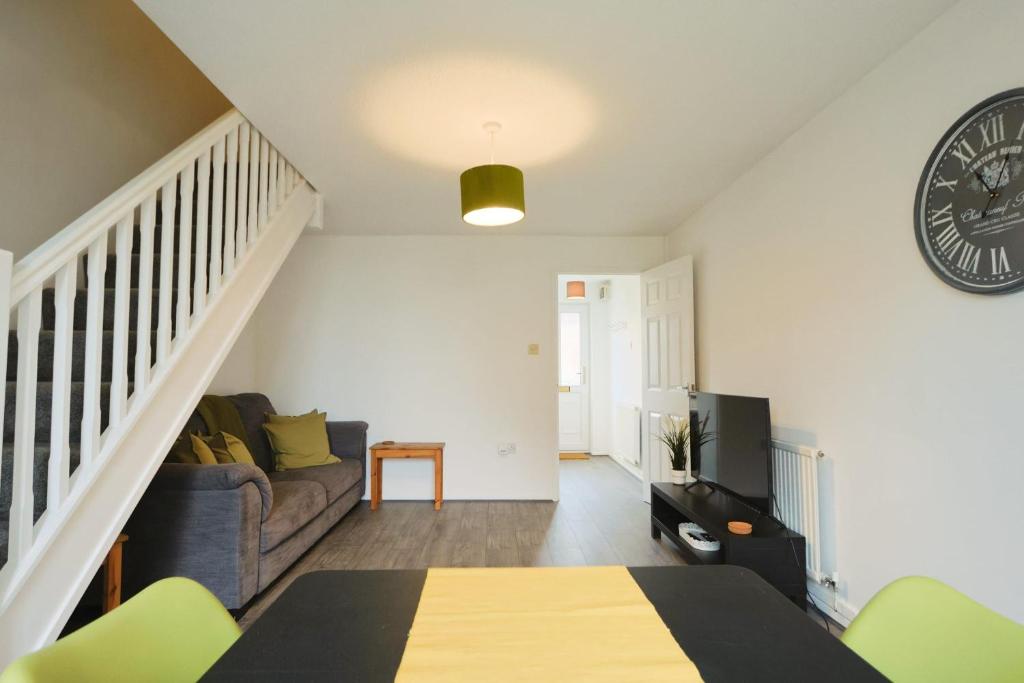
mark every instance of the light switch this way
{"type": "Point", "coordinates": [533, 350]}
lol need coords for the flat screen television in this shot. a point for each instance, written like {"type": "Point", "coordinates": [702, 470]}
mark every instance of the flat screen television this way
{"type": "Point", "coordinates": [739, 458]}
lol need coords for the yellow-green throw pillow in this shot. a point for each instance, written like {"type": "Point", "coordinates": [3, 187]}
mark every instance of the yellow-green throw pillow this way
{"type": "Point", "coordinates": [202, 450]}
{"type": "Point", "coordinates": [181, 451]}
{"type": "Point", "coordinates": [225, 448]}
{"type": "Point", "coordinates": [299, 441]}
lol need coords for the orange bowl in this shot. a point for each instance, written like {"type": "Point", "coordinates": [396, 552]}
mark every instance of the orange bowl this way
{"type": "Point", "coordinates": [741, 528]}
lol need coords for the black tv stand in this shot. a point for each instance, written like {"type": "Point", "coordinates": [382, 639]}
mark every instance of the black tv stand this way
{"type": "Point", "coordinates": [777, 554]}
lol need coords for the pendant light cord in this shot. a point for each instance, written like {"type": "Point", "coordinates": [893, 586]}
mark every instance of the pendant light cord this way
{"type": "Point", "coordinates": [493, 132]}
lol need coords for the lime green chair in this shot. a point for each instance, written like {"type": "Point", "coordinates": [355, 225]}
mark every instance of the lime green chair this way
{"type": "Point", "coordinates": [174, 630]}
{"type": "Point", "coordinates": [920, 629]}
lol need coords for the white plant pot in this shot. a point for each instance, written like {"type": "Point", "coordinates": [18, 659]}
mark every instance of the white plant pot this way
{"type": "Point", "coordinates": [679, 477]}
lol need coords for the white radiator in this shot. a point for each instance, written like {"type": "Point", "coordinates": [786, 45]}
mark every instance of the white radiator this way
{"type": "Point", "coordinates": [795, 483]}
{"type": "Point", "coordinates": [627, 433]}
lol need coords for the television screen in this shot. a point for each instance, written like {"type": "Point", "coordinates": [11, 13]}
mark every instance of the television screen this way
{"type": "Point", "coordinates": [738, 458]}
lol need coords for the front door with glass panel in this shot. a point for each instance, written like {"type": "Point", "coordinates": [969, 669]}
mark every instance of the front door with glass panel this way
{"type": "Point", "coordinates": [573, 386]}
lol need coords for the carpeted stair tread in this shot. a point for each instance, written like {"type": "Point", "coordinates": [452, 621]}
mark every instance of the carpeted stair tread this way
{"type": "Point", "coordinates": [81, 305]}
{"type": "Point", "coordinates": [44, 405]}
{"type": "Point", "coordinates": [110, 275]}
{"type": "Point", "coordinates": [45, 361]}
{"type": "Point", "coordinates": [40, 477]}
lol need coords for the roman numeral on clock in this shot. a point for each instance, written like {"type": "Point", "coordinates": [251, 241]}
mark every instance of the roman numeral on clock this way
{"type": "Point", "coordinates": [943, 215]}
{"type": "Point", "coordinates": [992, 131]}
{"type": "Point", "coordinates": [969, 257]}
{"type": "Point", "coordinates": [1000, 264]}
{"type": "Point", "coordinates": [964, 152]}
{"type": "Point", "coordinates": [948, 184]}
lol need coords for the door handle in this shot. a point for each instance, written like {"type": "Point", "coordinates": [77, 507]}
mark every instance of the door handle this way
{"type": "Point", "coordinates": [563, 389]}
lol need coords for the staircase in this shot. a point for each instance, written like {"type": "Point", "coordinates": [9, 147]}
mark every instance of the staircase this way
{"type": "Point", "coordinates": [122, 319]}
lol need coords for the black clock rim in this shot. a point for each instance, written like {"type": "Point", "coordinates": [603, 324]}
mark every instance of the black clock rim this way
{"type": "Point", "coordinates": [922, 186]}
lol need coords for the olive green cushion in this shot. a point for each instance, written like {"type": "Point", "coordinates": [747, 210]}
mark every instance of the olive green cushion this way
{"type": "Point", "coordinates": [182, 452]}
{"type": "Point", "coordinates": [202, 450]}
{"type": "Point", "coordinates": [299, 441]}
{"type": "Point", "coordinates": [223, 447]}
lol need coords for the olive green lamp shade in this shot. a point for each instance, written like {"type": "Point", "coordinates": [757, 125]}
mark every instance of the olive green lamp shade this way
{"type": "Point", "coordinates": [492, 195]}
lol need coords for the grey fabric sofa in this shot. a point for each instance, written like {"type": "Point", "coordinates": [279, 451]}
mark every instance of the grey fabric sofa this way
{"type": "Point", "coordinates": [235, 528]}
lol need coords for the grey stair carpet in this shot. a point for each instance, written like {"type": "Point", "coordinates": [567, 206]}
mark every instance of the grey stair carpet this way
{"type": "Point", "coordinates": [45, 360]}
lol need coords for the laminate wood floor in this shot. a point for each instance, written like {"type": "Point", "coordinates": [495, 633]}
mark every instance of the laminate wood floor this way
{"type": "Point", "coordinates": [600, 519]}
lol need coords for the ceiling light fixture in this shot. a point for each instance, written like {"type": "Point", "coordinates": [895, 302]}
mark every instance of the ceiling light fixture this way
{"type": "Point", "coordinates": [576, 290]}
{"type": "Point", "coordinates": [492, 194]}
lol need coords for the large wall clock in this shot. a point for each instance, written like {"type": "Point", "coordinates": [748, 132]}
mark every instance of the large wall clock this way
{"type": "Point", "coordinates": [969, 211]}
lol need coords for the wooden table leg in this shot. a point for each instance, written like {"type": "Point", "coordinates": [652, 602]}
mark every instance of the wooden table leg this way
{"type": "Point", "coordinates": [112, 575]}
{"type": "Point", "coordinates": [374, 482]}
{"type": "Point", "coordinates": [438, 479]}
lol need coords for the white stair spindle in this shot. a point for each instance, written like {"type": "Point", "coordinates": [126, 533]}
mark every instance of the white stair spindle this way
{"type": "Point", "coordinates": [241, 236]}
{"type": "Point", "coordinates": [168, 197]}
{"type": "Point", "coordinates": [60, 411]}
{"type": "Point", "coordinates": [282, 189]}
{"type": "Point", "coordinates": [264, 184]}
{"type": "Point", "coordinates": [252, 216]}
{"type": "Point", "coordinates": [122, 301]}
{"type": "Point", "coordinates": [93, 363]}
{"type": "Point", "coordinates": [22, 505]}
{"type": "Point", "coordinates": [144, 316]}
{"type": "Point", "coordinates": [188, 177]}
{"type": "Point", "coordinates": [202, 232]}
{"type": "Point", "coordinates": [230, 197]}
{"type": "Point", "coordinates": [289, 174]}
{"type": "Point", "coordinates": [272, 189]}
{"type": "Point", "coordinates": [217, 253]}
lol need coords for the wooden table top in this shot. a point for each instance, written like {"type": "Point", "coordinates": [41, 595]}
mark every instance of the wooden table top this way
{"type": "Point", "coordinates": [407, 446]}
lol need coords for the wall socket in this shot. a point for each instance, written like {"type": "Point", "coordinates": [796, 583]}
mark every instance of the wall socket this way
{"type": "Point", "coordinates": [505, 449]}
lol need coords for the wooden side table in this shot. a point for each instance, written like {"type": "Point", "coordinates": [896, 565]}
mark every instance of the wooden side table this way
{"type": "Point", "coordinates": [112, 575]}
{"type": "Point", "coordinates": [380, 451]}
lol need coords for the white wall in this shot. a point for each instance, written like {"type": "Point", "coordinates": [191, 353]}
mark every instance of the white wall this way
{"type": "Point", "coordinates": [93, 93]}
{"type": "Point", "coordinates": [624, 355]}
{"type": "Point", "coordinates": [426, 338]}
{"type": "Point", "coordinates": [810, 290]}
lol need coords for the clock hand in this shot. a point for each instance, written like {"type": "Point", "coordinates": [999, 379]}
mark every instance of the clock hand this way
{"type": "Point", "coordinates": [992, 194]}
{"type": "Point", "coordinates": [983, 183]}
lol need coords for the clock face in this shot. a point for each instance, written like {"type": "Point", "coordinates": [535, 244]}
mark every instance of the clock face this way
{"type": "Point", "coordinates": [969, 213]}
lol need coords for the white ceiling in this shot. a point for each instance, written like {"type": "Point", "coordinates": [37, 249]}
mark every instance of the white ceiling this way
{"type": "Point", "coordinates": [625, 116]}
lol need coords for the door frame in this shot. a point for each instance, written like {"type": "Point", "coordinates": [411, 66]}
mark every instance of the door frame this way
{"type": "Point", "coordinates": [554, 302]}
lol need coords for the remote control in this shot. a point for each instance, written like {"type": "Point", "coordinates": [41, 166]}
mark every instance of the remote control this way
{"type": "Point", "coordinates": [697, 538]}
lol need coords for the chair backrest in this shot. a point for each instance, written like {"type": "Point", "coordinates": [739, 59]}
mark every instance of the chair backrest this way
{"type": "Point", "coordinates": [920, 629]}
{"type": "Point", "coordinates": [174, 630]}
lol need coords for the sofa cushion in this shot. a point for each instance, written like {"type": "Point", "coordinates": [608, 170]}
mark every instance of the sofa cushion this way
{"type": "Point", "coordinates": [295, 504]}
{"type": "Point", "coordinates": [252, 408]}
{"type": "Point", "coordinates": [335, 478]}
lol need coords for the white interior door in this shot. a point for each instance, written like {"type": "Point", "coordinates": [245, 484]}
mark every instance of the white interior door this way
{"type": "Point", "coordinates": [573, 378]}
{"type": "Point", "coordinates": [668, 359]}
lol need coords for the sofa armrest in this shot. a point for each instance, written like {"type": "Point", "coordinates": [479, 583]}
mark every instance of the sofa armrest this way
{"type": "Point", "coordinates": [221, 477]}
{"type": "Point", "coordinates": [347, 439]}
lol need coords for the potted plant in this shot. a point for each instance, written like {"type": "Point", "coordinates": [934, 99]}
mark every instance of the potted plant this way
{"type": "Point", "coordinates": [676, 437]}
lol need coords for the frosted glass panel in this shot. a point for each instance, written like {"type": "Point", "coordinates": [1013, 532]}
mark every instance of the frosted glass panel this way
{"type": "Point", "coordinates": [570, 357]}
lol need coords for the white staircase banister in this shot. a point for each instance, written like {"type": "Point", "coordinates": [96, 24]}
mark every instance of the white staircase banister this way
{"type": "Point", "coordinates": [192, 287]}
{"type": "Point", "coordinates": [36, 268]}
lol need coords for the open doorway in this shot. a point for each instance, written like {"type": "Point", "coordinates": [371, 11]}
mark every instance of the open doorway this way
{"type": "Point", "coordinates": [599, 368]}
